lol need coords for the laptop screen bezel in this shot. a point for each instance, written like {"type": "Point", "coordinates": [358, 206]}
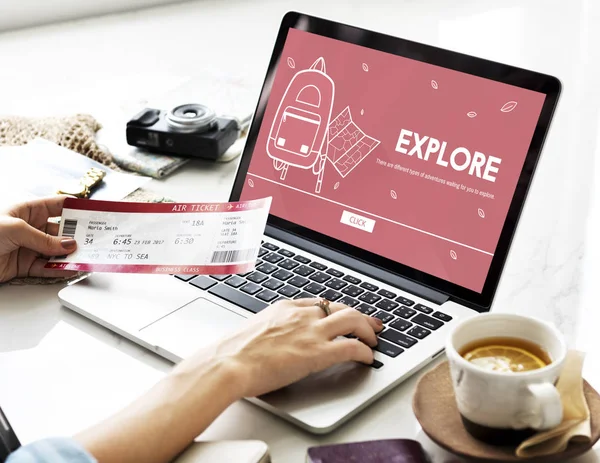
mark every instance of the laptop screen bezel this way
{"type": "Point", "coordinates": [546, 84]}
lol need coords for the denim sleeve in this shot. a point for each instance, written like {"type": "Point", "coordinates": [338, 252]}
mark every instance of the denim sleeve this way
{"type": "Point", "coordinates": [55, 450]}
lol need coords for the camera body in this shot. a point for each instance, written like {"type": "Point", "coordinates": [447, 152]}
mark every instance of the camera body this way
{"type": "Point", "coordinates": [190, 130]}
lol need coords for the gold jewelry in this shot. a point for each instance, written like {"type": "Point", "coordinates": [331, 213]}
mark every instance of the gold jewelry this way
{"type": "Point", "coordinates": [323, 304]}
{"type": "Point", "coordinates": [83, 187]}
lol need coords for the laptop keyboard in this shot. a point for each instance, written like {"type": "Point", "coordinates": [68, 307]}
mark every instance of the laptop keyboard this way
{"type": "Point", "coordinates": [282, 274]}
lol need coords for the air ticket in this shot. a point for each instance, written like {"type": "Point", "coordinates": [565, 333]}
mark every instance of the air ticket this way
{"type": "Point", "coordinates": [170, 238]}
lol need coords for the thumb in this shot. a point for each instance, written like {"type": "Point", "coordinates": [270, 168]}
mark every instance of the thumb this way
{"type": "Point", "coordinates": [24, 235]}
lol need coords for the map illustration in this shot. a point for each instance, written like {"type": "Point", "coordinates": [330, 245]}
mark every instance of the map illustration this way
{"type": "Point", "coordinates": [348, 145]}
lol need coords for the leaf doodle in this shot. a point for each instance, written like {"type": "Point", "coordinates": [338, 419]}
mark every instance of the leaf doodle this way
{"type": "Point", "coordinates": [362, 112]}
{"type": "Point", "coordinates": [336, 186]}
{"type": "Point", "coordinates": [434, 84]}
{"type": "Point", "coordinates": [481, 213]}
{"type": "Point", "coordinates": [291, 63]}
{"type": "Point", "coordinates": [508, 107]}
{"type": "Point", "coordinates": [251, 183]}
{"type": "Point", "coordinates": [471, 114]}
{"type": "Point", "coordinates": [393, 194]}
{"type": "Point", "coordinates": [453, 254]}
{"type": "Point", "coordinates": [365, 67]}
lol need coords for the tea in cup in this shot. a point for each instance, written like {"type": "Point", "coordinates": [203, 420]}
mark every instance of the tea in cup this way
{"type": "Point", "coordinates": [503, 370]}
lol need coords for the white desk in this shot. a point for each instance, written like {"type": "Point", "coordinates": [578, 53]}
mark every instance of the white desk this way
{"type": "Point", "coordinates": [75, 372]}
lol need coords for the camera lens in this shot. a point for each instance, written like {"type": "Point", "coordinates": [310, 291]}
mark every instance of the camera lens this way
{"type": "Point", "coordinates": [192, 118]}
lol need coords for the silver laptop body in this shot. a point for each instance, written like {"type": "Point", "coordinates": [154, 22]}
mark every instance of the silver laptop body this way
{"type": "Point", "coordinates": [173, 317]}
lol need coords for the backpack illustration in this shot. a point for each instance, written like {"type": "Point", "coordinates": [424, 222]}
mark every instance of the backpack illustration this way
{"type": "Point", "coordinates": [298, 135]}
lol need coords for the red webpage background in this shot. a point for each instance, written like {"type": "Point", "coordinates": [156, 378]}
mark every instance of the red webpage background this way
{"type": "Point", "coordinates": [397, 93]}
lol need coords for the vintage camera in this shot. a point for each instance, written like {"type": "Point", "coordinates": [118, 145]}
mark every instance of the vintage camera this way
{"type": "Point", "coordinates": [186, 130]}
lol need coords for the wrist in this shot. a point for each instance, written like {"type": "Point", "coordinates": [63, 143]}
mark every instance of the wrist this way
{"type": "Point", "coordinates": [223, 375]}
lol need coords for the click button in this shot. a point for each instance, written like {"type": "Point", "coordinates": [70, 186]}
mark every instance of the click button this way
{"type": "Point", "coordinates": [357, 221]}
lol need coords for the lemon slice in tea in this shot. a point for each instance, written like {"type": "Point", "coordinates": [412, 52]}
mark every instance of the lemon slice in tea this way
{"type": "Point", "coordinates": [504, 359]}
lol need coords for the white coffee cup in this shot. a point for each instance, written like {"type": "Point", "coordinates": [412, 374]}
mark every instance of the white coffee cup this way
{"type": "Point", "coordinates": [499, 407]}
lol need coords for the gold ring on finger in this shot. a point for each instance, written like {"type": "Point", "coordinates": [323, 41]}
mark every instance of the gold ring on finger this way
{"type": "Point", "coordinates": [323, 304]}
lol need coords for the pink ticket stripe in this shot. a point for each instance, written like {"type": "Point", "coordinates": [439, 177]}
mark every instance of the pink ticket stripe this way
{"type": "Point", "coordinates": [230, 269]}
{"type": "Point", "coordinates": [117, 206]}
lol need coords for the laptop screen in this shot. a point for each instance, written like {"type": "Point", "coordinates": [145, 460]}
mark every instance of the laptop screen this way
{"type": "Point", "coordinates": [411, 161]}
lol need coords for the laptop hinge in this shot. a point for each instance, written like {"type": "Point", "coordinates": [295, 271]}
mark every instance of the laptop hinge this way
{"type": "Point", "coordinates": [359, 266]}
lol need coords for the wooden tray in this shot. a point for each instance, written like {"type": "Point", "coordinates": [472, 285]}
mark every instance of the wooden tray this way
{"type": "Point", "coordinates": [435, 408]}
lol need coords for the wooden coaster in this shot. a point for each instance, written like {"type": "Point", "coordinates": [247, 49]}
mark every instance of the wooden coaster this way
{"type": "Point", "coordinates": [435, 408]}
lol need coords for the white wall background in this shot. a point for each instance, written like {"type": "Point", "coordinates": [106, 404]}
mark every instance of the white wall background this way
{"type": "Point", "coordinates": [15, 14]}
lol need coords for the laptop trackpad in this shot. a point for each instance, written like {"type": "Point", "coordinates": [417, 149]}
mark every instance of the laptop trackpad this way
{"type": "Point", "coordinates": [193, 326]}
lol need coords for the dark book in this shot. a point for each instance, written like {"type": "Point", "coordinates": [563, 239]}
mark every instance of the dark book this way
{"type": "Point", "coordinates": [376, 451]}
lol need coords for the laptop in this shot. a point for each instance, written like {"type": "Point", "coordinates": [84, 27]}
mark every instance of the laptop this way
{"type": "Point", "coordinates": [398, 172]}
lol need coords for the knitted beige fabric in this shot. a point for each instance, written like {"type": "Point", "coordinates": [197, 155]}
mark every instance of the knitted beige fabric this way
{"type": "Point", "coordinates": [77, 133]}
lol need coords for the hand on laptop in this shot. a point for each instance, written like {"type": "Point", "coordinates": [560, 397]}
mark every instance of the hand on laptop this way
{"type": "Point", "coordinates": [292, 339]}
{"type": "Point", "coordinates": [280, 345]}
{"type": "Point", "coordinates": [27, 239]}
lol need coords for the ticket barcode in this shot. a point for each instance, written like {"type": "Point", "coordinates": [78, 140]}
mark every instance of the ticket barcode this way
{"type": "Point", "coordinates": [69, 228]}
{"type": "Point", "coordinates": [237, 255]}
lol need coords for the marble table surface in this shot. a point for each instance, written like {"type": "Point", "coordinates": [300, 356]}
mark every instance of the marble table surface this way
{"type": "Point", "coordinates": [60, 372]}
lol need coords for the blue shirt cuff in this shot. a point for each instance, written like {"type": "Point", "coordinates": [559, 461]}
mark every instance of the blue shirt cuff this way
{"type": "Point", "coordinates": [55, 450]}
